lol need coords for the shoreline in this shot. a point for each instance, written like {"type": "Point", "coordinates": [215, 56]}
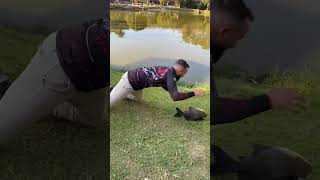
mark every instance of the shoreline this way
{"type": "Point", "coordinates": [159, 8]}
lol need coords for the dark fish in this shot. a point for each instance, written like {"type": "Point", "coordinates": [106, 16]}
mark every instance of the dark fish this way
{"type": "Point", "coordinates": [193, 114]}
{"type": "Point", "coordinates": [265, 163]}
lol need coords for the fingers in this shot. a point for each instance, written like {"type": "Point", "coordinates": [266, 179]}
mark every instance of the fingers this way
{"type": "Point", "coordinates": [298, 105]}
{"type": "Point", "coordinates": [199, 92]}
{"type": "Point", "coordinates": [301, 104]}
{"type": "Point", "coordinates": [298, 96]}
{"type": "Point", "coordinates": [294, 109]}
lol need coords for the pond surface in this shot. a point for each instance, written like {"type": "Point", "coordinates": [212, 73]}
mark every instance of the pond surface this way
{"type": "Point", "coordinates": [147, 38]}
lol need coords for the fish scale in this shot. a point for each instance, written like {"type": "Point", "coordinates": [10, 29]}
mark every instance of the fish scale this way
{"type": "Point", "coordinates": [193, 114]}
{"type": "Point", "coordinates": [265, 163]}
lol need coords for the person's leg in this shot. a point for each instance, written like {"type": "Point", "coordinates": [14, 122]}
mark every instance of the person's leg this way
{"type": "Point", "coordinates": [121, 90]}
{"type": "Point", "coordinates": [85, 108]}
{"type": "Point", "coordinates": [92, 108]}
{"type": "Point", "coordinates": [66, 111]}
{"type": "Point", "coordinates": [136, 95]}
{"type": "Point", "coordinates": [41, 86]}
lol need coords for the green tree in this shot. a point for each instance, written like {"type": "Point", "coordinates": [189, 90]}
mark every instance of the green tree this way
{"type": "Point", "coordinates": [205, 4]}
{"type": "Point", "coordinates": [177, 3]}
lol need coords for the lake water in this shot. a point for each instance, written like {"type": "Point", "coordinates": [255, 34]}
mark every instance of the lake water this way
{"type": "Point", "coordinates": [50, 14]}
{"type": "Point", "coordinates": [284, 33]}
{"type": "Point", "coordinates": [159, 38]}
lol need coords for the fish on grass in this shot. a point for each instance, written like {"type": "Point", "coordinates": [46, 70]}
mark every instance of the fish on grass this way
{"type": "Point", "coordinates": [193, 114]}
{"type": "Point", "coordinates": [265, 163]}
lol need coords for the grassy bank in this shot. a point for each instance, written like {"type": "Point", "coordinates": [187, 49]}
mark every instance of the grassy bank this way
{"type": "Point", "coordinates": [50, 149]}
{"type": "Point", "coordinates": [296, 131]}
{"type": "Point", "coordinates": [17, 48]}
{"type": "Point", "coordinates": [148, 142]}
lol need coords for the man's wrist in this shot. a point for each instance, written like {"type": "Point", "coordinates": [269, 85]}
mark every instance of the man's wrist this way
{"type": "Point", "coordinates": [262, 102]}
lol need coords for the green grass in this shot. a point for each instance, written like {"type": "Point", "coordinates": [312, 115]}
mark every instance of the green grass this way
{"type": "Point", "coordinates": [148, 142]}
{"type": "Point", "coordinates": [50, 149]}
{"type": "Point", "coordinates": [296, 131]}
{"type": "Point", "coordinates": [17, 49]}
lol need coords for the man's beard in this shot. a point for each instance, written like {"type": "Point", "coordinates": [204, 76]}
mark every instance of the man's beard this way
{"type": "Point", "coordinates": [217, 52]}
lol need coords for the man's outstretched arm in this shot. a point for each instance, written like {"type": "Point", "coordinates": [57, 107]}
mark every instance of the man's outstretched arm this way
{"type": "Point", "coordinates": [228, 110]}
{"type": "Point", "coordinates": [173, 90]}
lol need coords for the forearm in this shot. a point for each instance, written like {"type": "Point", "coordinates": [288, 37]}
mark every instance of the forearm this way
{"type": "Point", "coordinates": [179, 96]}
{"type": "Point", "coordinates": [228, 110]}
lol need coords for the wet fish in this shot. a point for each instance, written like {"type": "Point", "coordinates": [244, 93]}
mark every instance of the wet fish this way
{"type": "Point", "coordinates": [265, 163]}
{"type": "Point", "coordinates": [193, 114]}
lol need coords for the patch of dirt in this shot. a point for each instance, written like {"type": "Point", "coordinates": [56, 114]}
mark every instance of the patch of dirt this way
{"type": "Point", "coordinates": [197, 152]}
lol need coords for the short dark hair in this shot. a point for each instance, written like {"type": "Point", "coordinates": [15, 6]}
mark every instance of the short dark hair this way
{"type": "Point", "coordinates": [236, 8]}
{"type": "Point", "coordinates": [182, 63]}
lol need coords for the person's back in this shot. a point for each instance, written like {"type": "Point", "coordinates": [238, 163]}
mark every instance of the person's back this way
{"type": "Point", "coordinates": [145, 77]}
{"type": "Point", "coordinates": [70, 66]}
{"type": "Point", "coordinates": [82, 51]}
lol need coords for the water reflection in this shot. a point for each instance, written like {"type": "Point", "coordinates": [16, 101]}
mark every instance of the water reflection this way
{"type": "Point", "coordinates": [159, 38]}
{"type": "Point", "coordinates": [194, 29]}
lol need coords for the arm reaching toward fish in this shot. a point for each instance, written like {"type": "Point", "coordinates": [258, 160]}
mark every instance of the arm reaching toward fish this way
{"type": "Point", "coordinates": [286, 99]}
{"type": "Point", "coordinates": [199, 92]}
{"type": "Point", "coordinates": [171, 85]}
{"type": "Point", "coordinates": [229, 110]}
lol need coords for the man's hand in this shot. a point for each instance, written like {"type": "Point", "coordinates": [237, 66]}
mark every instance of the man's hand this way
{"type": "Point", "coordinates": [199, 92]}
{"type": "Point", "coordinates": [286, 99]}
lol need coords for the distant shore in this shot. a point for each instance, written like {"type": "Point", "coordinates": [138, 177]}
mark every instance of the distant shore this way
{"type": "Point", "coordinates": [160, 8]}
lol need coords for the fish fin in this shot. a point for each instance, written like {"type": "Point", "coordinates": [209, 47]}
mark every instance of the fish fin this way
{"type": "Point", "coordinates": [179, 112]}
{"type": "Point", "coordinates": [222, 162]}
{"type": "Point", "coordinates": [259, 147]}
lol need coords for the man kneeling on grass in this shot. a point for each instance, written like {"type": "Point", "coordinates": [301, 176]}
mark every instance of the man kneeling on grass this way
{"type": "Point", "coordinates": [133, 82]}
{"type": "Point", "coordinates": [67, 77]}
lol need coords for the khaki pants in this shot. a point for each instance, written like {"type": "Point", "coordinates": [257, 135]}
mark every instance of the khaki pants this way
{"type": "Point", "coordinates": [41, 88]}
{"type": "Point", "coordinates": [124, 90]}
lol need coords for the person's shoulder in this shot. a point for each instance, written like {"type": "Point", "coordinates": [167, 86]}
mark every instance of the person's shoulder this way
{"type": "Point", "coordinates": [171, 73]}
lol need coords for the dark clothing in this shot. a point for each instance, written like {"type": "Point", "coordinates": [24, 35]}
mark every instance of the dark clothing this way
{"type": "Point", "coordinates": [83, 52]}
{"type": "Point", "coordinates": [158, 76]}
{"type": "Point", "coordinates": [217, 53]}
{"type": "Point", "coordinates": [228, 110]}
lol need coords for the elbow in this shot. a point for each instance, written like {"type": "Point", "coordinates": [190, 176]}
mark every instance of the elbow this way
{"type": "Point", "coordinates": [175, 97]}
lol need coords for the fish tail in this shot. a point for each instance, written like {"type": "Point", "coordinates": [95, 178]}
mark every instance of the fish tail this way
{"type": "Point", "coordinates": [179, 113]}
{"type": "Point", "coordinates": [222, 162]}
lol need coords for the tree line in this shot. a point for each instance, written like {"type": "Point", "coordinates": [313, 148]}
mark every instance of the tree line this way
{"type": "Point", "coordinates": [193, 4]}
